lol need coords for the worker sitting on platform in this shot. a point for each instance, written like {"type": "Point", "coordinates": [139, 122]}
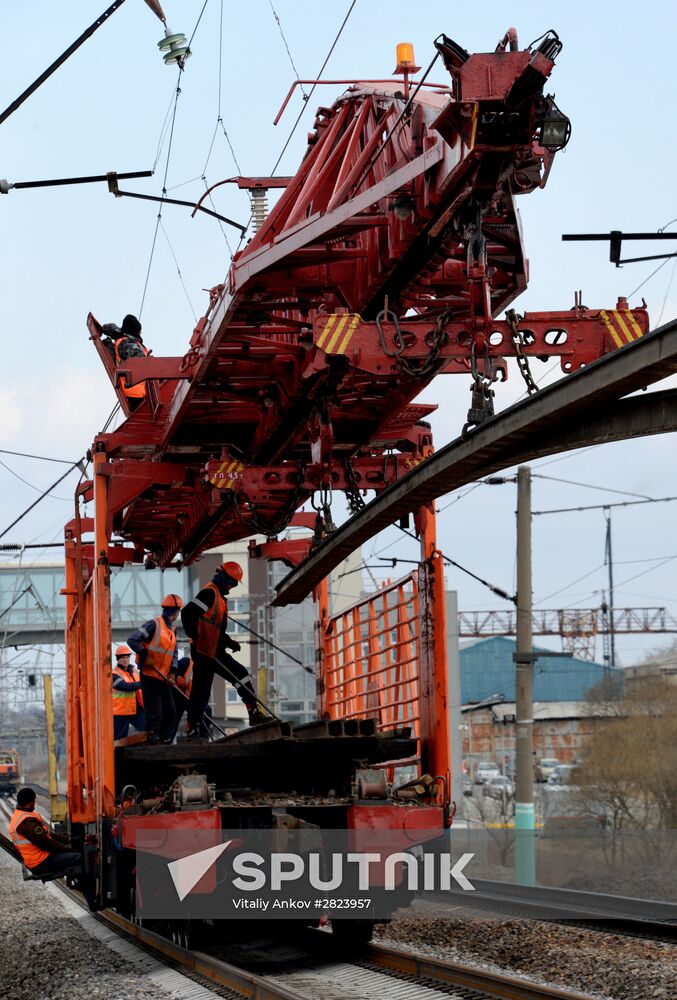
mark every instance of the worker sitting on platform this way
{"type": "Point", "coordinates": [125, 687]}
{"type": "Point", "coordinates": [44, 853]}
{"type": "Point", "coordinates": [205, 620]}
{"type": "Point", "coordinates": [155, 647]}
{"type": "Point", "coordinates": [126, 343]}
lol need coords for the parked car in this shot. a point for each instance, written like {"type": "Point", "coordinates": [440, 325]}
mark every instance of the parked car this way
{"type": "Point", "coordinates": [467, 785]}
{"type": "Point", "coordinates": [561, 775]}
{"type": "Point", "coordinates": [486, 770]}
{"type": "Point", "coordinates": [545, 767]}
{"type": "Point", "coordinates": [499, 787]}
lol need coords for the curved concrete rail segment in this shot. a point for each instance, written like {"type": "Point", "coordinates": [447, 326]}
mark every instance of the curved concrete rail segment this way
{"type": "Point", "coordinates": [582, 409]}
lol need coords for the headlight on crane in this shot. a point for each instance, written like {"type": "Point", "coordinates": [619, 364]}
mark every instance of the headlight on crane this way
{"type": "Point", "coordinates": [555, 128]}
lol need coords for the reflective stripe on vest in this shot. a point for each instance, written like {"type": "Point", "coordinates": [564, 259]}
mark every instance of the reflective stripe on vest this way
{"type": "Point", "coordinates": [137, 391]}
{"type": "Point", "coordinates": [31, 854]}
{"type": "Point", "coordinates": [124, 702]}
{"type": "Point", "coordinates": [212, 624]}
{"type": "Point", "coordinates": [160, 650]}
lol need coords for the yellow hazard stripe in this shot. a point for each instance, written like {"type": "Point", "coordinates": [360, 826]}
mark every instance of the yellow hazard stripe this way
{"type": "Point", "coordinates": [336, 334]}
{"type": "Point", "coordinates": [325, 333]}
{"type": "Point", "coordinates": [221, 477]}
{"type": "Point", "coordinates": [610, 327]}
{"type": "Point", "coordinates": [621, 322]}
{"type": "Point", "coordinates": [633, 323]}
{"type": "Point", "coordinates": [349, 335]}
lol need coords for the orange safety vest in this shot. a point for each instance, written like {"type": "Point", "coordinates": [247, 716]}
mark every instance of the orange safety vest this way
{"type": "Point", "coordinates": [159, 651]}
{"type": "Point", "coordinates": [124, 702]}
{"type": "Point", "coordinates": [212, 624]}
{"type": "Point", "coordinates": [139, 693]}
{"type": "Point", "coordinates": [137, 391]}
{"type": "Point", "coordinates": [185, 682]}
{"type": "Point", "coordinates": [31, 854]}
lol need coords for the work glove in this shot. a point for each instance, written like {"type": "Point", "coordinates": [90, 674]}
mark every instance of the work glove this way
{"type": "Point", "coordinates": [232, 644]}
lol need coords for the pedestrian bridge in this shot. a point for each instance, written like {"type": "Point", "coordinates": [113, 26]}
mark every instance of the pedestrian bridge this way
{"type": "Point", "coordinates": [33, 610]}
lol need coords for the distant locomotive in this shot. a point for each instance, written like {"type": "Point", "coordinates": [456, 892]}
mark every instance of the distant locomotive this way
{"type": "Point", "coordinates": [10, 771]}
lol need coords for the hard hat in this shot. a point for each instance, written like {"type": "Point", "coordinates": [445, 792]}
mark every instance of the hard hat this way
{"type": "Point", "coordinates": [172, 601]}
{"type": "Point", "coordinates": [122, 651]}
{"type": "Point", "coordinates": [233, 570]}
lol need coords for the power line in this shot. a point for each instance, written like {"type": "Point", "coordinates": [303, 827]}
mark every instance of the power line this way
{"type": "Point", "coordinates": [495, 590]}
{"type": "Point", "coordinates": [75, 465]}
{"type": "Point", "coordinates": [26, 483]}
{"type": "Point", "coordinates": [590, 486]}
{"type": "Point", "coordinates": [312, 89]}
{"type": "Point", "coordinates": [178, 271]}
{"type": "Point", "coordinates": [291, 60]}
{"type": "Point", "coordinates": [604, 506]}
{"type": "Point", "coordinates": [42, 458]}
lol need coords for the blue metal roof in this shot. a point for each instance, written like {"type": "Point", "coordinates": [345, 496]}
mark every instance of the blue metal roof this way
{"type": "Point", "coordinates": [487, 668]}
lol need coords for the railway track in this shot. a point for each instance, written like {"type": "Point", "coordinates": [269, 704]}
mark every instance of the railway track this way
{"type": "Point", "coordinates": [651, 919]}
{"type": "Point", "coordinates": [318, 971]}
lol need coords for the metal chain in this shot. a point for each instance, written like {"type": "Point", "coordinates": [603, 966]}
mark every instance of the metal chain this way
{"type": "Point", "coordinates": [430, 363]}
{"type": "Point", "coordinates": [482, 400]}
{"type": "Point", "coordinates": [513, 319]}
{"type": "Point", "coordinates": [270, 529]}
{"type": "Point", "coordinates": [356, 501]}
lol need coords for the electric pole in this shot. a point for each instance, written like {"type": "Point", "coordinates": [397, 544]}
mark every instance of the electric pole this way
{"type": "Point", "coordinates": [609, 560]}
{"type": "Point", "coordinates": [525, 845]}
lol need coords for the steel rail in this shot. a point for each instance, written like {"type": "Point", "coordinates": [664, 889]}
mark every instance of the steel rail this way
{"type": "Point", "coordinates": [375, 957]}
{"type": "Point", "coordinates": [582, 409]}
{"type": "Point", "coordinates": [654, 919]}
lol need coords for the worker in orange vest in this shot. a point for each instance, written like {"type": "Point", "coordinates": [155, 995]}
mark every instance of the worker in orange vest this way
{"type": "Point", "coordinates": [125, 689]}
{"type": "Point", "coordinates": [155, 647]}
{"type": "Point", "coordinates": [205, 621]}
{"type": "Point", "coordinates": [44, 853]}
{"type": "Point", "coordinates": [127, 343]}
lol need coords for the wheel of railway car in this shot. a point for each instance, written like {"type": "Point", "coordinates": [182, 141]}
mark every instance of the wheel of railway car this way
{"type": "Point", "coordinates": [352, 933]}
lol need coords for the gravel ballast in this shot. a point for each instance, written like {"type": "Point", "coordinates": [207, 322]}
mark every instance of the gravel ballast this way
{"type": "Point", "coordinates": [45, 954]}
{"type": "Point", "coordinates": [604, 965]}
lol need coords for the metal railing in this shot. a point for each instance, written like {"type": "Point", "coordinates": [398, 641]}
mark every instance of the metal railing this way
{"type": "Point", "coordinates": [371, 653]}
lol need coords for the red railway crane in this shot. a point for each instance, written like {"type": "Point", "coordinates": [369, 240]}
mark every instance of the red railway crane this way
{"type": "Point", "coordinates": [384, 263]}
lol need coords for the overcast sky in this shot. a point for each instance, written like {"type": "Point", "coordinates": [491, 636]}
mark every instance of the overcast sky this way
{"type": "Point", "coordinates": [67, 251]}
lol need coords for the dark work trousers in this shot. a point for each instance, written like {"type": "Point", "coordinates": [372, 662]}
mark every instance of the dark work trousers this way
{"type": "Point", "coordinates": [180, 708]}
{"type": "Point", "coordinates": [204, 669]}
{"type": "Point", "coordinates": [158, 701]}
{"type": "Point", "coordinates": [58, 863]}
{"type": "Point", "coordinates": [121, 726]}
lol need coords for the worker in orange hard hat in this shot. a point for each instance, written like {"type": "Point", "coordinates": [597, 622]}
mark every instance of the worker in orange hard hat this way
{"type": "Point", "coordinates": [205, 621]}
{"type": "Point", "coordinates": [155, 647]}
{"type": "Point", "coordinates": [125, 688]}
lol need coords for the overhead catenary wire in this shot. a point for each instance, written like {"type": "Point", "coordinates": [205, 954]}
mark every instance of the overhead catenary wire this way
{"type": "Point", "coordinates": [603, 506]}
{"type": "Point", "coordinates": [284, 40]}
{"type": "Point", "coordinates": [178, 271]}
{"type": "Point", "coordinates": [590, 486]}
{"type": "Point", "coordinates": [21, 479]}
{"type": "Point", "coordinates": [41, 458]}
{"type": "Point", "coordinates": [312, 89]}
{"type": "Point", "coordinates": [75, 465]}
{"type": "Point", "coordinates": [495, 590]}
